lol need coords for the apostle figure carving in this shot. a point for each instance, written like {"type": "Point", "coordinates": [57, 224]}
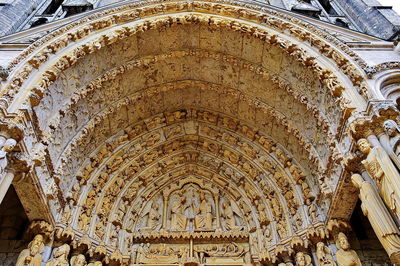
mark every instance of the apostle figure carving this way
{"type": "Point", "coordinates": [178, 218]}
{"type": "Point", "coordinates": [204, 218]}
{"type": "Point", "coordinates": [60, 256]}
{"type": "Point", "coordinates": [381, 169]}
{"type": "Point", "coordinates": [379, 217]}
{"type": "Point", "coordinates": [324, 255]}
{"type": "Point", "coordinates": [346, 256]}
{"type": "Point", "coordinates": [33, 254]}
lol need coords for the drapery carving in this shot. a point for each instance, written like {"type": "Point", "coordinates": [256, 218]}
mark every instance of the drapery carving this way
{"type": "Point", "coordinates": [379, 217]}
{"type": "Point", "coordinates": [382, 170]}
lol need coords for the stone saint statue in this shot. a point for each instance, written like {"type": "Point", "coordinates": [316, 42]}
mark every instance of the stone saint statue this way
{"type": "Point", "coordinates": [60, 256]}
{"type": "Point", "coordinates": [379, 217]}
{"type": "Point", "coordinates": [203, 212]}
{"type": "Point", "coordinates": [6, 145]}
{"type": "Point", "coordinates": [381, 169]}
{"type": "Point", "coordinates": [178, 218]}
{"type": "Point", "coordinates": [303, 259]}
{"type": "Point", "coordinates": [346, 256]}
{"type": "Point", "coordinates": [33, 254]}
{"type": "Point", "coordinates": [324, 255]}
{"type": "Point", "coordinates": [393, 132]}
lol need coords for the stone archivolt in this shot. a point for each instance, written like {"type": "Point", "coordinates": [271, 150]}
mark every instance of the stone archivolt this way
{"type": "Point", "coordinates": [200, 133]}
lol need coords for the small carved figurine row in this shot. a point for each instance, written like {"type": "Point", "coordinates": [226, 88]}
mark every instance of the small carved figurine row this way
{"type": "Point", "coordinates": [34, 255]}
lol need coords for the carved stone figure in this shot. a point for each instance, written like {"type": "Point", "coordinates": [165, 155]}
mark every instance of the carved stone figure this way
{"type": "Point", "coordinates": [67, 215]}
{"type": "Point", "coordinates": [324, 255]}
{"type": "Point", "coordinates": [346, 256]}
{"type": "Point", "coordinates": [303, 259]}
{"type": "Point", "coordinates": [33, 254]}
{"type": "Point", "coordinates": [312, 210]}
{"type": "Point", "coordinates": [204, 218]}
{"type": "Point", "coordinates": [178, 218]}
{"type": "Point", "coordinates": [153, 219]}
{"type": "Point", "coordinates": [78, 260]}
{"type": "Point", "coordinates": [60, 256]}
{"type": "Point", "coordinates": [6, 145]}
{"type": "Point", "coordinates": [393, 131]}
{"type": "Point", "coordinates": [84, 220]}
{"type": "Point", "coordinates": [229, 218]}
{"type": "Point", "coordinates": [381, 169]}
{"type": "Point", "coordinates": [379, 217]}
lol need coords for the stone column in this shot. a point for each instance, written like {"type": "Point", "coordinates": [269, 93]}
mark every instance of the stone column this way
{"type": "Point", "coordinates": [5, 182]}
{"type": "Point", "coordinates": [164, 217]}
{"type": "Point", "coordinates": [216, 199]}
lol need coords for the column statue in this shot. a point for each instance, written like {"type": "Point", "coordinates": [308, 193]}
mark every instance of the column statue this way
{"type": "Point", "coordinates": [345, 256]}
{"type": "Point", "coordinates": [393, 132]}
{"type": "Point", "coordinates": [324, 255]}
{"type": "Point", "coordinates": [379, 217]}
{"type": "Point", "coordinates": [390, 141]}
{"type": "Point", "coordinates": [381, 169]}
{"type": "Point", "coordinates": [33, 254]}
{"type": "Point", "coordinates": [6, 145]}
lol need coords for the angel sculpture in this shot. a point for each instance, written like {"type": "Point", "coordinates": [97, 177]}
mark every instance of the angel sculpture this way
{"type": "Point", "coordinates": [153, 217]}
{"type": "Point", "coordinates": [228, 213]}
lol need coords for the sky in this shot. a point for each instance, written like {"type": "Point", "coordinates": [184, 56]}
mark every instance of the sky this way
{"type": "Point", "coordinates": [394, 3]}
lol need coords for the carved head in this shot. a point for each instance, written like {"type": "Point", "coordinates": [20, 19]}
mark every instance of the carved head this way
{"type": "Point", "coordinates": [9, 145]}
{"type": "Point", "coordinates": [301, 259]}
{"type": "Point", "coordinates": [61, 251]}
{"type": "Point", "coordinates": [391, 128]}
{"type": "Point", "coordinates": [364, 146]}
{"type": "Point", "coordinates": [342, 242]}
{"type": "Point", "coordinates": [320, 246]}
{"type": "Point", "coordinates": [36, 246]}
{"type": "Point", "coordinates": [79, 260]}
{"type": "Point", "coordinates": [155, 206]}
